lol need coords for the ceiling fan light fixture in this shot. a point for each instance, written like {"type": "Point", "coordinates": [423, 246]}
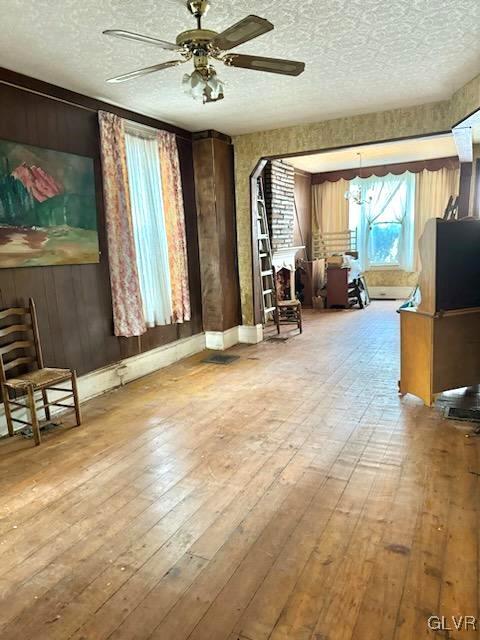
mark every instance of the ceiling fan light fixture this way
{"type": "Point", "coordinates": [216, 87]}
{"type": "Point", "coordinates": [194, 85]}
{"type": "Point", "coordinates": [203, 85]}
{"type": "Point", "coordinates": [204, 45]}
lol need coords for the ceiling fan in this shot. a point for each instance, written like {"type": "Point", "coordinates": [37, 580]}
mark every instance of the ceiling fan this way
{"type": "Point", "coordinates": [203, 46]}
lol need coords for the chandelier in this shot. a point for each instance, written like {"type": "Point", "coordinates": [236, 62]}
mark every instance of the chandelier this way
{"type": "Point", "coordinates": [356, 194]}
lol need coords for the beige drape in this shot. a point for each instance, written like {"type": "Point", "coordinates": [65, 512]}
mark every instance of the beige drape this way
{"type": "Point", "coordinates": [174, 225]}
{"type": "Point", "coordinates": [329, 206]}
{"type": "Point", "coordinates": [432, 191]}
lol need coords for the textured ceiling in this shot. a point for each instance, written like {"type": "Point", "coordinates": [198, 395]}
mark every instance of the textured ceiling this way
{"type": "Point", "coordinates": [361, 55]}
{"type": "Point", "coordinates": [377, 154]}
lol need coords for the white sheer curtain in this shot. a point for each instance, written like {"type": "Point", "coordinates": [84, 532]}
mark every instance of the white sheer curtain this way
{"type": "Point", "coordinates": [387, 199]}
{"type": "Point", "coordinates": [144, 177]}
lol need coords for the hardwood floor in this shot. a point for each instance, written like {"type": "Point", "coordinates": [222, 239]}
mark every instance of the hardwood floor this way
{"type": "Point", "coordinates": [292, 495]}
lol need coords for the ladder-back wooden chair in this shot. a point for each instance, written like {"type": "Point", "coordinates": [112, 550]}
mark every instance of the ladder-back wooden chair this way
{"type": "Point", "coordinates": [22, 372]}
{"type": "Point", "coordinates": [286, 311]}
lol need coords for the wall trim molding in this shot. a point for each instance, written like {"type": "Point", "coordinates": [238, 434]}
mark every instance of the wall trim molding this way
{"type": "Point", "coordinates": [115, 375]}
{"type": "Point", "coordinates": [389, 293]}
{"type": "Point", "coordinates": [211, 133]}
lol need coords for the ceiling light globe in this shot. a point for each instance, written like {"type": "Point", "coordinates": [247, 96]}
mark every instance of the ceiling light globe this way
{"type": "Point", "coordinates": [214, 85]}
{"type": "Point", "coordinates": [197, 90]}
{"type": "Point", "coordinates": [186, 84]}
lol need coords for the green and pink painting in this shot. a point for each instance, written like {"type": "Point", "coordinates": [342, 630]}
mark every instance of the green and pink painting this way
{"type": "Point", "coordinates": [48, 212]}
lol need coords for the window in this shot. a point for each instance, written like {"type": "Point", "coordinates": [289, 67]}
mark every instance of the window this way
{"type": "Point", "coordinates": [384, 243]}
{"type": "Point", "coordinates": [384, 221]}
{"type": "Point", "coordinates": [145, 184]}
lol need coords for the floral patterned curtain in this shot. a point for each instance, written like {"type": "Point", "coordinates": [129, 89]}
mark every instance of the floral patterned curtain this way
{"type": "Point", "coordinates": [174, 225]}
{"type": "Point", "coordinates": [128, 316]}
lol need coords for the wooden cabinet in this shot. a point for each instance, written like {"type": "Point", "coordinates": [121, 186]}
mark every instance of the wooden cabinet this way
{"type": "Point", "coordinates": [439, 351]}
{"type": "Point", "coordinates": [440, 340]}
{"type": "Point", "coordinates": [337, 287]}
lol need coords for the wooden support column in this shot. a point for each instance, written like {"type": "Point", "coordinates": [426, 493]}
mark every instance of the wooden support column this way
{"type": "Point", "coordinates": [217, 238]}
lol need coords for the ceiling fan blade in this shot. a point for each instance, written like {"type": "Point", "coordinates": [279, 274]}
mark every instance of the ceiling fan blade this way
{"type": "Point", "coordinates": [271, 65]}
{"type": "Point", "coordinates": [129, 35]}
{"type": "Point", "coordinates": [243, 31]}
{"type": "Point", "coordinates": [145, 71]}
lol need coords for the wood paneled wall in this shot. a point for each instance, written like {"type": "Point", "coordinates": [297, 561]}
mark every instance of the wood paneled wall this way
{"type": "Point", "coordinates": [74, 301]}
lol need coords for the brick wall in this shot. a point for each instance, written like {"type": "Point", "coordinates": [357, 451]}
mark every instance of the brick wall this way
{"type": "Point", "coordinates": [280, 203]}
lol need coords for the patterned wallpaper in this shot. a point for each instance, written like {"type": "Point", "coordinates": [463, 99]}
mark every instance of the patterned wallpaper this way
{"type": "Point", "coordinates": [391, 278]}
{"type": "Point", "coordinates": [397, 123]}
{"type": "Point", "coordinates": [465, 100]}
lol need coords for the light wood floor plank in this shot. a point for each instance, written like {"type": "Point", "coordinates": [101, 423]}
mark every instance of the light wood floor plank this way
{"type": "Point", "coordinates": [292, 495]}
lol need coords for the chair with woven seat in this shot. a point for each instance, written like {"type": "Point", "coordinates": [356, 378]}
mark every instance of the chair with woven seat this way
{"type": "Point", "coordinates": [286, 311]}
{"type": "Point", "coordinates": [22, 372]}
{"type": "Point", "coordinates": [289, 312]}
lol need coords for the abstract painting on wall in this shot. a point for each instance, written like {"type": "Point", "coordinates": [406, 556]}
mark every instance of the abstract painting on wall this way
{"type": "Point", "coordinates": [48, 212]}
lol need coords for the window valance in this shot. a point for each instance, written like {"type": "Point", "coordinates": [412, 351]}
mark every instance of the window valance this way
{"type": "Point", "coordinates": [380, 171]}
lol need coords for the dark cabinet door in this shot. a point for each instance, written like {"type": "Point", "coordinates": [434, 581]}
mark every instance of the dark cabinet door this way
{"type": "Point", "coordinates": [337, 287]}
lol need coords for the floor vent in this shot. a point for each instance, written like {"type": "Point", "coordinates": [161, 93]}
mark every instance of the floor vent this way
{"type": "Point", "coordinates": [277, 339]}
{"type": "Point", "coordinates": [456, 413]}
{"type": "Point", "coordinates": [51, 426]}
{"type": "Point", "coordinates": [220, 358]}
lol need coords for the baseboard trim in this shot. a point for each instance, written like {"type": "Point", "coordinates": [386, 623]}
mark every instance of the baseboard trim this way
{"type": "Point", "coordinates": [244, 333]}
{"type": "Point", "coordinates": [250, 334]}
{"type": "Point", "coordinates": [115, 375]}
{"type": "Point", "coordinates": [221, 340]}
{"type": "Point", "coordinates": [390, 293]}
